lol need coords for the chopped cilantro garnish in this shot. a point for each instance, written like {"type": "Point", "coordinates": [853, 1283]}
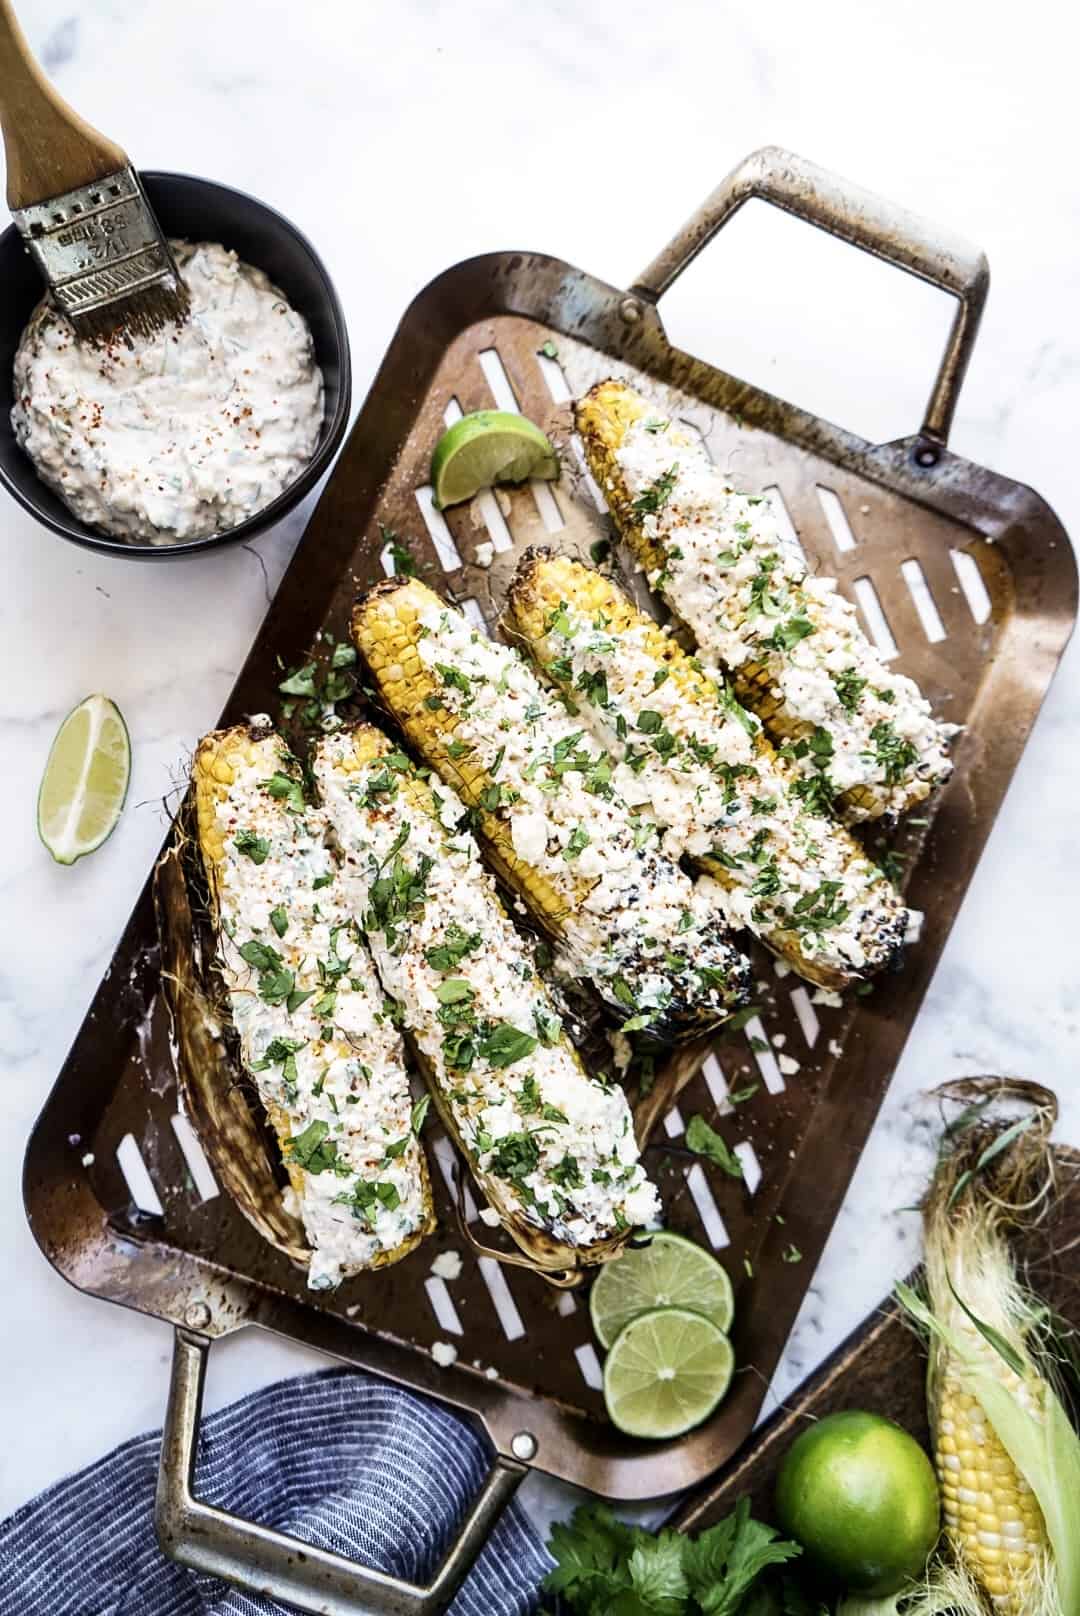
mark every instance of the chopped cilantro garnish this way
{"type": "Point", "coordinates": [400, 555]}
{"type": "Point", "coordinates": [455, 990]}
{"type": "Point", "coordinates": [788, 634]}
{"type": "Point", "coordinates": [452, 678]}
{"type": "Point", "coordinates": [849, 688]}
{"type": "Point", "coordinates": [256, 848]}
{"type": "Point", "coordinates": [657, 494]}
{"type": "Point", "coordinates": [703, 1140]}
{"type": "Point", "coordinates": [286, 790]}
{"type": "Point", "coordinates": [892, 751]}
{"type": "Point", "coordinates": [312, 1150]}
{"type": "Point", "coordinates": [453, 948]}
{"type": "Point", "coordinates": [579, 840]}
{"type": "Point", "coordinates": [301, 682]}
{"type": "Point", "coordinates": [505, 1045]}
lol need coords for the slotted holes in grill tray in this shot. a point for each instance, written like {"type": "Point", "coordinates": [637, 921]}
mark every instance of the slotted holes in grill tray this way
{"type": "Point", "coordinates": [794, 1091]}
{"type": "Point", "coordinates": [797, 1033]}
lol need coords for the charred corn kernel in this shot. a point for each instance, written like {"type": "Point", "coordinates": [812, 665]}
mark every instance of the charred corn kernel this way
{"type": "Point", "coordinates": [551, 815]}
{"type": "Point", "coordinates": [552, 1149]}
{"type": "Point", "coordinates": [702, 767]}
{"type": "Point", "coordinates": [313, 1024]}
{"type": "Point", "coordinates": [859, 734]}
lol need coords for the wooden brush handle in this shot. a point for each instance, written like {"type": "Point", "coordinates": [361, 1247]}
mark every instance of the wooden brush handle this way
{"type": "Point", "coordinates": [49, 148]}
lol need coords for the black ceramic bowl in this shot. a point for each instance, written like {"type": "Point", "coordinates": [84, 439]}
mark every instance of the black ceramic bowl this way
{"type": "Point", "coordinates": [198, 210]}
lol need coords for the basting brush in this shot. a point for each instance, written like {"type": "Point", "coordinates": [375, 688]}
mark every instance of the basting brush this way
{"type": "Point", "coordinates": [80, 207]}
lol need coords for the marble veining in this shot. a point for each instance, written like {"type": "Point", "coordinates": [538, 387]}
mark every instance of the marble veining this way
{"type": "Point", "coordinates": [406, 136]}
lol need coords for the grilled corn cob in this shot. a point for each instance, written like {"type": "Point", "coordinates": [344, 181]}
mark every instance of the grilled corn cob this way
{"type": "Point", "coordinates": [704, 769]}
{"type": "Point", "coordinates": [312, 1020]}
{"type": "Point", "coordinates": [552, 1148]}
{"type": "Point", "coordinates": [550, 814]}
{"type": "Point", "coordinates": [862, 735]}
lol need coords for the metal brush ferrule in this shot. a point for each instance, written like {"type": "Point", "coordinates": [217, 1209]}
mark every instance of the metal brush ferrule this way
{"type": "Point", "coordinates": [100, 245]}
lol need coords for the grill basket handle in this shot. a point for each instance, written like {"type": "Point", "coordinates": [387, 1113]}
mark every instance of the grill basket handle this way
{"type": "Point", "coordinates": [823, 199]}
{"type": "Point", "coordinates": [266, 1562]}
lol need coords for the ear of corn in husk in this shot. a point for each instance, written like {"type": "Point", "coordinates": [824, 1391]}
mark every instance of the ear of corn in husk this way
{"type": "Point", "coordinates": [1007, 1457]}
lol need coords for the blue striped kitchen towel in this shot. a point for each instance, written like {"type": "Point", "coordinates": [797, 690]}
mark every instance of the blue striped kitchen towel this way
{"type": "Point", "coordinates": [336, 1459]}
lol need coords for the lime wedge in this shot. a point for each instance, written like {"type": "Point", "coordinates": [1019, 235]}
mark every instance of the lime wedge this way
{"type": "Point", "coordinates": [670, 1271]}
{"type": "Point", "coordinates": [85, 780]}
{"type": "Point", "coordinates": [666, 1373]}
{"type": "Point", "coordinates": [488, 447]}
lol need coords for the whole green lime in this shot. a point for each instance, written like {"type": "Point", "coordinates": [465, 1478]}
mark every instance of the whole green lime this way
{"type": "Point", "coordinates": [861, 1497]}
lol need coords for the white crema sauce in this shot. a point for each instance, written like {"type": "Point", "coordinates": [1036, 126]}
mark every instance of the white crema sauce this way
{"type": "Point", "coordinates": [183, 434]}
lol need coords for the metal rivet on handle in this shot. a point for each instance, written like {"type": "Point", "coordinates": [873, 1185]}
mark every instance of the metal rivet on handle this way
{"type": "Point", "coordinates": [197, 1316]}
{"type": "Point", "coordinates": [523, 1445]}
{"type": "Point", "coordinates": [927, 453]}
{"type": "Point", "coordinates": [630, 309]}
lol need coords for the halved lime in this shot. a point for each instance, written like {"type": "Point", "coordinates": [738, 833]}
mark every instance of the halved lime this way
{"type": "Point", "coordinates": [670, 1271]}
{"type": "Point", "coordinates": [666, 1372]}
{"type": "Point", "coordinates": [85, 780]}
{"type": "Point", "coordinates": [488, 447]}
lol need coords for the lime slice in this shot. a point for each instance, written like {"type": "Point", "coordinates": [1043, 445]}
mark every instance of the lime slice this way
{"type": "Point", "coordinates": [85, 780]}
{"type": "Point", "coordinates": [487, 447]}
{"type": "Point", "coordinates": [670, 1271]}
{"type": "Point", "coordinates": [666, 1372]}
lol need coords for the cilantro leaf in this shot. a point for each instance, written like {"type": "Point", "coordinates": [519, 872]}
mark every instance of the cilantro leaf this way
{"type": "Point", "coordinates": [400, 555]}
{"type": "Point", "coordinates": [257, 848]}
{"type": "Point", "coordinates": [286, 790]}
{"type": "Point", "coordinates": [505, 1045]}
{"type": "Point", "coordinates": [301, 682]}
{"type": "Point", "coordinates": [656, 1571]}
{"type": "Point", "coordinates": [452, 950]}
{"type": "Point", "coordinates": [705, 1141]}
{"type": "Point", "coordinates": [590, 1553]}
{"type": "Point", "coordinates": [727, 1560]}
{"type": "Point", "coordinates": [656, 496]}
{"type": "Point", "coordinates": [312, 1150]}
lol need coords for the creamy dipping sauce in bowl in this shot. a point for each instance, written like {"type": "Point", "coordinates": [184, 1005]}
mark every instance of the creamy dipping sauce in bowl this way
{"type": "Point", "coordinates": [148, 451]}
{"type": "Point", "coordinates": [182, 434]}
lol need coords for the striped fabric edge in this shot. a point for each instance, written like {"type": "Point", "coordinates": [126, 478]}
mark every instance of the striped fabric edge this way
{"type": "Point", "coordinates": [336, 1459]}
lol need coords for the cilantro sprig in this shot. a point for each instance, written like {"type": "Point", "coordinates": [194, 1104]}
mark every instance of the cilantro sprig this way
{"type": "Point", "coordinates": [603, 1565]}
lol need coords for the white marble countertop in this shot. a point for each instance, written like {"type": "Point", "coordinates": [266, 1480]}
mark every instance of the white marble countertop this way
{"type": "Point", "coordinates": [402, 137]}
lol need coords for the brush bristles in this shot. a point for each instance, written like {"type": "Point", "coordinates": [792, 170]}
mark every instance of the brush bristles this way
{"type": "Point", "coordinates": [142, 313]}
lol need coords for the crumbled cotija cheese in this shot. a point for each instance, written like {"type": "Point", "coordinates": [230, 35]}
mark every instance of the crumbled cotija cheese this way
{"type": "Point", "coordinates": [558, 1144]}
{"type": "Point", "coordinates": [748, 599]}
{"type": "Point", "coordinates": [184, 433]}
{"type": "Point", "coordinates": [313, 1024]}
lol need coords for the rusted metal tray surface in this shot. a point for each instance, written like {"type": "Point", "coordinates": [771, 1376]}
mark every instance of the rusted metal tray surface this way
{"type": "Point", "coordinates": [881, 1367]}
{"type": "Point", "coordinates": [895, 524]}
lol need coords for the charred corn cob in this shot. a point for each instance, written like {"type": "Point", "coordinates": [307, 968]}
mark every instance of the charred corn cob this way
{"type": "Point", "coordinates": [552, 1149]}
{"type": "Point", "coordinates": [550, 815]}
{"type": "Point", "coordinates": [863, 736]}
{"type": "Point", "coordinates": [313, 1023]}
{"type": "Point", "coordinates": [704, 769]}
